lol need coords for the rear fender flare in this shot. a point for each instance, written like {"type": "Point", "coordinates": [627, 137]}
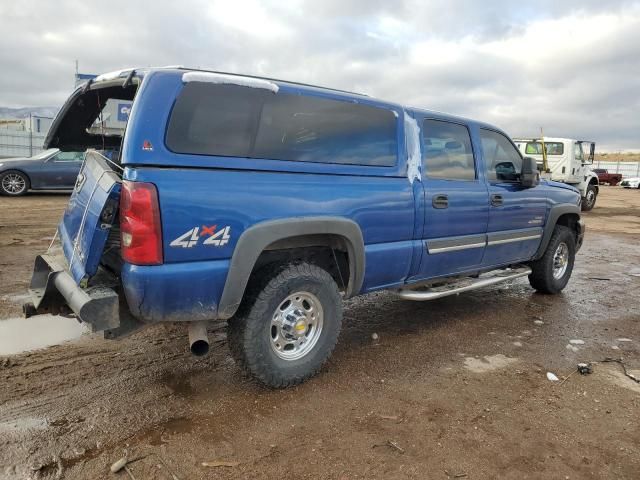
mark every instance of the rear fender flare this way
{"type": "Point", "coordinates": [257, 238]}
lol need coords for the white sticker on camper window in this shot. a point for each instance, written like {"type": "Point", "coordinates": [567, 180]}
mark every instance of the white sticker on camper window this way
{"type": "Point", "coordinates": [414, 157]}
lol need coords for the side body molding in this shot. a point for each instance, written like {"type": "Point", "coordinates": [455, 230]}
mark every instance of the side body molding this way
{"type": "Point", "coordinates": [258, 237]}
{"type": "Point", "coordinates": [556, 212]}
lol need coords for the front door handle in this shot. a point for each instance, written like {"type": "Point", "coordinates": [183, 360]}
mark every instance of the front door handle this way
{"type": "Point", "coordinates": [440, 201]}
{"type": "Point", "coordinates": [496, 200]}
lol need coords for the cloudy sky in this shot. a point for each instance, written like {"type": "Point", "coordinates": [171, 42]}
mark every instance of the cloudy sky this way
{"type": "Point", "coordinates": [570, 66]}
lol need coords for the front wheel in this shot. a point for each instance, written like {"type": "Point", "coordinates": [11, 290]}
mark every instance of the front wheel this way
{"type": "Point", "coordinates": [13, 183]}
{"type": "Point", "coordinates": [551, 273]}
{"type": "Point", "coordinates": [288, 325]}
{"type": "Point", "coordinates": [589, 200]}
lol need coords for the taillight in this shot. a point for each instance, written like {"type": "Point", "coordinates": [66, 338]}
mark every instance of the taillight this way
{"type": "Point", "coordinates": [140, 229]}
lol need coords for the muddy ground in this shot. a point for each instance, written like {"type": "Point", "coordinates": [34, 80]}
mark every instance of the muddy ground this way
{"type": "Point", "coordinates": [454, 388]}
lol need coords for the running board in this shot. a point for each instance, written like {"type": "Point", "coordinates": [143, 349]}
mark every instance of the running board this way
{"type": "Point", "coordinates": [463, 285]}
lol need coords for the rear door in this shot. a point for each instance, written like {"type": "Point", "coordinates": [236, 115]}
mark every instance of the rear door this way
{"type": "Point", "coordinates": [516, 214]}
{"type": "Point", "coordinates": [456, 201]}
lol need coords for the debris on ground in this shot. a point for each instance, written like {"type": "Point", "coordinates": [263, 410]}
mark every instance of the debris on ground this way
{"type": "Point", "coordinates": [624, 340]}
{"type": "Point", "coordinates": [390, 417]}
{"type": "Point", "coordinates": [455, 475]}
{"type": "Point", "coordinates": [585, 368]}
{"type": "Point", "coordinates": [374, 336]}
{"type": "Point", "coordinates": [552, 377]}
{"type": "Point", "coordinates": [220, 463]}
{"type": "Point", "coordinates": [119, 464]}
{"type": "Point", "coordinates": [598, 278]}
{"type": "Point", "coordinates": [576, 341]}
{"type": "Point", "coordinates": [390, 443]}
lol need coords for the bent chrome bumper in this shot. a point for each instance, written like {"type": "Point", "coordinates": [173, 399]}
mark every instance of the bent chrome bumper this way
{"type": "Point", "coordinates": [53, 290]}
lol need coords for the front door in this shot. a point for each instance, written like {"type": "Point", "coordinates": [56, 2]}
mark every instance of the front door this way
{"type": "Point", "coordinates": [62, 169]}
{"type": "Point", "coordinates": [516, 214]}
{"type": "Point", "coordinates": [456, 201]}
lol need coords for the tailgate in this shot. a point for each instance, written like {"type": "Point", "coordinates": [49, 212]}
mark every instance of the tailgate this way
{"type": "Point", "coordinates": [91, 212]}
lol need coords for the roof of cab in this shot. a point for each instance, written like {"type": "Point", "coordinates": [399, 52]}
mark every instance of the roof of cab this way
{"type": "Point", "coordinates": [141, 72]}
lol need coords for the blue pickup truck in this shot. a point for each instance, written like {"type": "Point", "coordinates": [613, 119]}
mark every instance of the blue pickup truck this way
{"type": "Point", "coordinates": [266, 203]}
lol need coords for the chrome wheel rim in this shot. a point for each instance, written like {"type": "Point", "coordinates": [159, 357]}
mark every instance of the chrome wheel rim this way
{"type": "Point", "coordinates": [296, 326]}
{"type": "Point", "coordinates": [590, 197]}
{"type": "Point", "coordinates": [560, 261]}
{"type": "Point", "coordinates": [13, 183]}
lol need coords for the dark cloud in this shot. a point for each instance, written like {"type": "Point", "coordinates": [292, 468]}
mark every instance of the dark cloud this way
{"type": "Point", "coordinates": [570, 66]}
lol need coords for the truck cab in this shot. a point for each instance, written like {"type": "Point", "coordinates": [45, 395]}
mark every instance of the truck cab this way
{"type": "Point", "coordinates": [567, 162]}
{"type": "Point", "coordinates": [264, 203]}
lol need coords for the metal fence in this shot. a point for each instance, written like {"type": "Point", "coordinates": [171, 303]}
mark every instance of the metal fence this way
{"type": "Point", "coordinates": [17, 143]}
{"type": "Point", "coordinates": [627, 169]}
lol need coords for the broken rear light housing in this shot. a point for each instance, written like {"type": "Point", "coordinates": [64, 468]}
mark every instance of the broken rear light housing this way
{"type": "Point", "coordinates": [140, 227]}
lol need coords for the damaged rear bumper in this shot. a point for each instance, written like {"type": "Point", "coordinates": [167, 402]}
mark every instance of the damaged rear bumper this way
{"type": "Point", "coordinates": [54, 291]}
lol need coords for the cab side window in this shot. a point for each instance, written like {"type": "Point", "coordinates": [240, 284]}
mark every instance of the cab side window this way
{"type": "Point", "coordinates": [447, 153]}
{"type": "Point", "coordinates": [502, 159]}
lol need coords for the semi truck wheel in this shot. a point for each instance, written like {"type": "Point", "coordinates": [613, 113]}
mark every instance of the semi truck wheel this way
{"type": "Point", "coordinates": [551, 273]}
{"type": "Point", "coordinates": [287, 326]}
{"type": "Point", "coordinates": [589, 200]}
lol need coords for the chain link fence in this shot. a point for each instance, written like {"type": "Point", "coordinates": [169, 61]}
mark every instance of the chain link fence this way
{"type": "Point", "coordinates": [17, 143]}
{"type": "Point", "coordinates": [627, 169]}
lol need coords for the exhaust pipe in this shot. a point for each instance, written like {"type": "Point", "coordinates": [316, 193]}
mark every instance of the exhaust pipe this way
{"type": "Point", "coordinates": [198, 340]}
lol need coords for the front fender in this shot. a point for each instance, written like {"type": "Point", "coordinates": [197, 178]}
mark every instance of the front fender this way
{"type": "Point", "coordinates": [554, 214]}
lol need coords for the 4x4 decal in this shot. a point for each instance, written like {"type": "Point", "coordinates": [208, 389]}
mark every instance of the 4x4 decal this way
{"type": "Point", "coordinates": [210, 236]}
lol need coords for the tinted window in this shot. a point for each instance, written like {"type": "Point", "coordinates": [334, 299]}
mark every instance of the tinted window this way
{"type": "Point", "coordinates": [502, 159]}
{"type": "Point", "coordinates": [69, 157]}
{"type": "Point", "coordinates": [238, 121]}
{"type": "Point", "coordinates": [215, 120]}
{"type": "Point", "coordinates": [552, 148]}
{"type": "Point", "coordinates": [447, 153]}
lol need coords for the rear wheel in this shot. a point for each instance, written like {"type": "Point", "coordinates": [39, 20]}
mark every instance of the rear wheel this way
{"type": "Point", "coordinates": [551, 273]}
{"type": "Point", "coordinates": [288, 325]}
{"type": "Point", "coordinates": [13, 183]}
{"type": "Point", "coordinates": [589, 200]}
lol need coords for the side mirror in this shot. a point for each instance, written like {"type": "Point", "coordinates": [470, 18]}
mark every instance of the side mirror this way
{"type": "Point", "coordinates": [530, 177]}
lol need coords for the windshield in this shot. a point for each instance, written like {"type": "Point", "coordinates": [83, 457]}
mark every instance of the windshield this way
{"type": "Point", "coordinates": [44, 154]}
{"type": "Point", "coordinates": [552, 148]}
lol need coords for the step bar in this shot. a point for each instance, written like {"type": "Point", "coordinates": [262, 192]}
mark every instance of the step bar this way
{"type": "Point", "coordinates": [423, 294]}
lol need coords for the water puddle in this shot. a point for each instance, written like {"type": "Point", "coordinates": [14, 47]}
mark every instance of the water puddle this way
{"type": "Point", "coordinates": [24, 334]}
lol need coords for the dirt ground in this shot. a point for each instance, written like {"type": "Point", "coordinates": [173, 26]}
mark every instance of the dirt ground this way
{"type": "Point", "coordinates": [454, 388]}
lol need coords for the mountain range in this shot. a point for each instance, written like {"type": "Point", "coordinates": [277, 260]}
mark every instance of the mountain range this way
{"type": "Point", "coordinates": [6, 112]}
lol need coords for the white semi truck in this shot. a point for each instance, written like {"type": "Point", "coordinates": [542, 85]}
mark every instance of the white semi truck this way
{"type": "Point", "coordinates": [565, 160]}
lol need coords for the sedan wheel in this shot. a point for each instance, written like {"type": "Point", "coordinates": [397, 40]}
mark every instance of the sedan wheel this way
{"type": "Point", "coordinates": [14, 183]}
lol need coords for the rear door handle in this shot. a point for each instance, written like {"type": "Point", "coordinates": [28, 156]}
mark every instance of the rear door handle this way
{"type": "Point", "coordinates": [440, 201]}
{"type": "Point", "coordinates": [496, 200]}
